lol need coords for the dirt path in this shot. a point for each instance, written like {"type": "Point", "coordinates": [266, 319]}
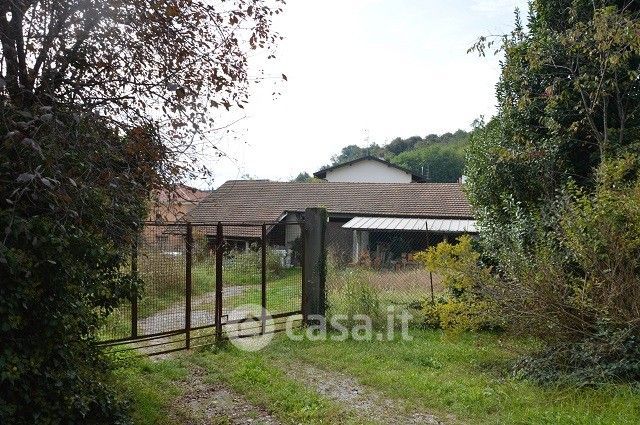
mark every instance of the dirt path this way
{"type": "Point", "coordinates": [202, 308]}
{"type": "Point", "coordinates": [214, 403]}
{"type": "Point", "coordinates": [365, 402]}
{"type": "Point", "coordinates": [202, 313]}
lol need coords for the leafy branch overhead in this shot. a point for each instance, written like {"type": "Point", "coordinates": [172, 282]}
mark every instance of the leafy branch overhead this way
{"type": "Point", "coordinates": [101, 102]}
{"type": "Point", "coordinates": [134, 61]}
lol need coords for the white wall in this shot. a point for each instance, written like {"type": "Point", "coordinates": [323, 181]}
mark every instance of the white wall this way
{"type": "Point", "coordinates": [368, 171]}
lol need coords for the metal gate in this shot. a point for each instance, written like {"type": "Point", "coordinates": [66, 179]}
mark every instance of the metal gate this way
{"type": "Point", "coordinates": [200, 279]}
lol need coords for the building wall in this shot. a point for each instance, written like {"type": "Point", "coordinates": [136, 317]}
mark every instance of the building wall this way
{"type": "Point", "coordinates": [293, 231]}
{"type": "Point", "coordinates": [368, 172]}
{"type": "Point", "coordinates": [168, 207]}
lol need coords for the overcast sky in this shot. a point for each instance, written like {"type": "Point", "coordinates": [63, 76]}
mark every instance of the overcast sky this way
{"type": "Point", "coordinates": [362, 71]}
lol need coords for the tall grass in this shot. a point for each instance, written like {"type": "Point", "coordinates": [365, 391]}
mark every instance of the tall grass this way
{"type": "Point", "coordinates": [365, 290]}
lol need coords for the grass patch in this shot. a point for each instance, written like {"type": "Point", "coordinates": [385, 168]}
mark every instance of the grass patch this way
{"type": "Point", "coordinates": [466, 376]}
{"type": "Point", "coordinates": [151, 387]}
{"type": "Point", "coordinates": [284, 294]}
{"type": "Point", "coordinates": [263, 384]}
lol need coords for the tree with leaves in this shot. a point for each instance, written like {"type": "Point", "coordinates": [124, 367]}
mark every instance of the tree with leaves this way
{"type": "Point", "coordinates": [568, 98]}
{"type": "Point", "coordinates": [351, 152]}
{"type": "Point", "coordinates": [439, 164]}
{"type": "Point", "coordinates": [101, 103]}
{"type": "Point", "coordinates": [553, 179]}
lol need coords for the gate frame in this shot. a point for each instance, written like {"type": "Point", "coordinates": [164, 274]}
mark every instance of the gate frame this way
{"type": "Point", "coordinates": [135, 337]}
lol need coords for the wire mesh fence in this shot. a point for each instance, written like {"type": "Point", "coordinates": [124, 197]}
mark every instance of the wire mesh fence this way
{"type": "Point", "coordinates": [198, 278]}
{"type": "Point", "coordinates": [369, 270]}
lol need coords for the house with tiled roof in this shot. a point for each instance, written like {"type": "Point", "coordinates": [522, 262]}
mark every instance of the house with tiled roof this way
{"type": "Point", "coordinates": [357, 210]}
{"type": "Point", "coordinates": [173, 204]}
{"type": "Point", "coordinates": [369, 169]}
{"type": "Point", "coordinates": [170, 205]}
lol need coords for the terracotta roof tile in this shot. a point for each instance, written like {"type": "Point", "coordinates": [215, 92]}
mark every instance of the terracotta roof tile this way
{"type": "Point", "coordinates": [267, 201]}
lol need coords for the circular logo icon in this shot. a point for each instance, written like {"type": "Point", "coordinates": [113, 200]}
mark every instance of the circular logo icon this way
{"type": "Point", "coordinates": [250, 327]}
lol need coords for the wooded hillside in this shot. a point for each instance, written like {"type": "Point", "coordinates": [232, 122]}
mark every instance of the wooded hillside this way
{"type": "Point", "coordinates": [440, 158]}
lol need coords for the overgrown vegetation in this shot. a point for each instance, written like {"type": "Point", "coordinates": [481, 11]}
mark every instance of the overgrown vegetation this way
{"type": "Point", "coordinates": [71, 194]}
{"type": "Point", "coordinates": [464, 304]}
{"type": "Point", "coordinates": [364, 290]}
{"type": "Point", "coordinates": [84, 139]}
{"type": "Point", "coordinates": [578, 289]}
{"type": "Point", "coordinates": [553, 179]}
{"type": "Point", "coordinates": [351, 294]}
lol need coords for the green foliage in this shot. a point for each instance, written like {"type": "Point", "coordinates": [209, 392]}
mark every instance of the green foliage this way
{"type": "Point", "coordinates": [72, 193]}
{"type": "Point", "coordinates": [463, 376]}
{"type": "Point", "coordinates": [439, 157]}
{"type": "Point", "coordinates": [80, 151]}
{"type": "Point", "coordinates": [553, 180]}
{"type": "Point", "coordinates": [305, 177]}
{"type": "Point", "coordinates": [399, 145]}
{"type": "Point", "coordinates": [439, 163]}
{"type": "Point", "coordinates": [581, 280]}
{"type": "Point", "coordinates": [351, 152]}
{"type": "Point", "coordinates": [264, 384]}
{"type": "Point", "coordinates": [152, 387]}
{"type": "Point", "coordinates": [350, 292]}
{"type": "Point", "coordinates": [357, 297]}
{"type": "Point", "coordinates": [463, 306]}
{"type": "Point", "coordinates": [604, 356]}
{"type": "Point", "coordinates": [567, 99]}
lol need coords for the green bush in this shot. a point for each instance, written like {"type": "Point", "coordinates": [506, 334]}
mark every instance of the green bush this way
{"type": "Point", "coordinates": [463, 306]}
{"type": "Point", "coordinates": [608, 355]}
{"type": "Point", "coordinates": [578, 290]}
{"type": "Point", "coordinates": [72, 191]}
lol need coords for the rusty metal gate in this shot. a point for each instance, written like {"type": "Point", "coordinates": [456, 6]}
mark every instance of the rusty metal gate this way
{"type": "Point", "coordinates": [199, 279]}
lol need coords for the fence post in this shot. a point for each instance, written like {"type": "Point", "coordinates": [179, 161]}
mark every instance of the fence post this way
{"type": "Point", "coordinates": [433, 300]}
{"type": "Point", "coordinates": [188, 261]}
{"type": "Point", "coordinates": [314, 271]}
{"type": "Point", "coordinates": [218, 306]}
{"type": "Point", "coordinates": [264, 279]}
{"type": "Point", "coordinates": [134, 298]}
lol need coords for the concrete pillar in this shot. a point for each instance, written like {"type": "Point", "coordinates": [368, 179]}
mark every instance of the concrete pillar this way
{"type": "Point", "coordinates": [315, 257]}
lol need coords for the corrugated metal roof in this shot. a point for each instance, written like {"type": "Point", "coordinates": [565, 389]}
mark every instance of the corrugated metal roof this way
{"type": "Point", "coordinates": [409, 224]}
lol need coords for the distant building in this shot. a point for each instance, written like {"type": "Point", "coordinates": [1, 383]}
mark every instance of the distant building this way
{"type": "Point", "coordinates": [361, 215]}
{"type": "Point", "coordinates": [173, 205]}
{"type": "Point", "coordinates": [369, 169]}
{"type": "Point", "coordinates": [168, 206]}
